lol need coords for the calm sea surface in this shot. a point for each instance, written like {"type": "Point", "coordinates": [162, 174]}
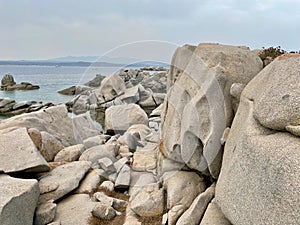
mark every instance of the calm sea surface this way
{"type": "Point", "coordinates": [50, 79]}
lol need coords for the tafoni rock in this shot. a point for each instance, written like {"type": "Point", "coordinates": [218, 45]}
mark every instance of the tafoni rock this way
{"type": "Point", "coordinates": [198, 105]}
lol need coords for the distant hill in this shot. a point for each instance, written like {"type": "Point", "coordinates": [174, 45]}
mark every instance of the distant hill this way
{"type": "Point", "coordinates": [74, 59]}
{"type": "Point", "coordinates": [117, 60]}
{"type": "Point", "coordinates": [57, 64]}
{"type": "Point", "coordinates": [133, 62]}
{"type": "Point", "coordinates": [85, 61]}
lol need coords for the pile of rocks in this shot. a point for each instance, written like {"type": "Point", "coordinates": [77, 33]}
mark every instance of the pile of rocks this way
{"type": "Point", "coordinates": [69, 159]}
{"type": "Point", "coordinates": [129, 86]}
{"type": "Point", "coordinates": [10, 107]}
{"type": "Point", "coordinates": [8, 84]}
{"type": "Point", "coordinates": [154, 68]}
{"type": "Point", "coordinates": [165, 166]}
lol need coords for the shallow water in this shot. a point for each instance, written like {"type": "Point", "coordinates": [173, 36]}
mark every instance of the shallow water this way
{"type": "Point", "coordinates": [50, 79]}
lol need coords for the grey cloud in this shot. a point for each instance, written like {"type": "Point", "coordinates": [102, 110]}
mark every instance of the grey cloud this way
{"type": "Point", "coordinates": [50, 28]}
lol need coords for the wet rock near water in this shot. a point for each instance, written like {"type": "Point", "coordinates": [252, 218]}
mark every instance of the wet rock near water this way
{"type": "Point", "coordinates": [74, 90]}
{"type": "Point", "coordinates": [8, 84]}
{"type": "Point", "coordinates": [9, 107]}
{"type": "Point", "coordinates": [96, 82]}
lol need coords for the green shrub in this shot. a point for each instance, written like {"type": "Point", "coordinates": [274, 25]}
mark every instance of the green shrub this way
{"type": "Point", "coordinates": [272, 52]}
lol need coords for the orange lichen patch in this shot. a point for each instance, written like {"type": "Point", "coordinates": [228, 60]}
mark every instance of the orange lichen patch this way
{"type": "Point", "coordinates": [161, 148]}
{"type": "Point", "coordinates": [288, 55]}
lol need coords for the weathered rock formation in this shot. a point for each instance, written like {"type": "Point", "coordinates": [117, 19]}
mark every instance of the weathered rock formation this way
{"type": "Point", "coordinates": [259, 180]}
{"type": "Point", "coordinates": [142, 170]}
{"type": "Point", "coordinates": [7, 80]}
{"type": "Point", "coordinates": [198, 106]}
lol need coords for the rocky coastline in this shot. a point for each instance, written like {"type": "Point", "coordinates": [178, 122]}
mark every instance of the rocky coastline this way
{"type": "Point", "coordinates": [8, 84]}
{"type": "Point", "coordinates": [213, 140]}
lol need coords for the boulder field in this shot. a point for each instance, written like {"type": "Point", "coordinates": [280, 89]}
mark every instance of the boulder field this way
{"type": "Point", "coordinates": [212, 141]}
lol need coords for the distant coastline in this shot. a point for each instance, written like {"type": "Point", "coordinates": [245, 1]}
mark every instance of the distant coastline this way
{"type": "Point", "coordinates": [78, 64]}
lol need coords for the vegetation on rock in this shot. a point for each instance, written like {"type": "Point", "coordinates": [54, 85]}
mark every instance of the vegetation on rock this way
{"type": "Point", "coordinates": [272, 52]}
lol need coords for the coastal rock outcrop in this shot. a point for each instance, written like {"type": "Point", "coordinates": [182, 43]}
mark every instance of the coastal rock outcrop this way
{"type": "Point", "coordinates": [163, 165]}
{"type": "Point", "coordinates": [198, 105]}
{"type": "Point", "coordinates": [8, 84]}
{"type": "Point", "coordinates": [95, 82]}
{"type": "Point", "coordinates": [259, 180]}
{"type": "Point", "coordinates": [9, 107]}
{"type": "Point", "coordinates": [7, 80]}
{"type": "Point", "coordinates": [73, 90]}
{"type": "Point", "coordinates": [55, 121]}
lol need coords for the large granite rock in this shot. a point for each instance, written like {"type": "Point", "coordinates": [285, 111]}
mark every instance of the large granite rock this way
{"type": "Point", "coordinates": [148, 200]}
{"type": "Point", "coordinates": [119, 118]}
{"type": "Point", "coordinates": [45, 213]}
{"type": "Point", "coordinates": [73, 90]}
{"type": "Point", "coordinates": [90, 183]}
{"type": "Point", "coordinates": [157, 82]}
{"type": "Point", "coordinates": [6, 105]}
{"type": "Point", "coordinates": [110, 88]}
{"type": "Point", "coordinates": [182, 188]}
{"type": "Point", "coordinates": [260, 177]}
{"type": "Point", "coordinates": [98, 152]}
{"type": "Point", "coordinates": [18, 153]}
{"type": "Point", "coordinates": [8, 84]}
{"type": "Point", "coordinates": [198, 106]}
{"type": "Point", "coordinates": [23, 86]}
{"type": "Point", "coordinates": [18, 199]}
{"type": "Point", "coordinates": [196, 211]}
{"type": "Point", "coordinates": [50, 146]}
{"type": "Point", "coordinates": [70, 153]}
{"type": "Point", "coordinates": [62, 180]}
{"type": "Point", "coordinates": [55, 121]}
{"type": "Point", "coordinates": [7, 80]}
{"type": "Point", "coordinates": [96, 81]}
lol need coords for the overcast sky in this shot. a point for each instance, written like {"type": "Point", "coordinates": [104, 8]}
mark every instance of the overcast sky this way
{"type": "Point", "coordinates": [33, 29]}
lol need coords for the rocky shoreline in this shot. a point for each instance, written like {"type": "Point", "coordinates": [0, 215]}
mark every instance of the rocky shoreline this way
{"type": "Point", "coordinates": [214, 140]}
{"type": "Point", "coordinates": [8, 84]}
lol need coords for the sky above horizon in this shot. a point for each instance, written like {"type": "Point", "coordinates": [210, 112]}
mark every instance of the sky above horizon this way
{"type": "Point", "coordinates": [46, 29]}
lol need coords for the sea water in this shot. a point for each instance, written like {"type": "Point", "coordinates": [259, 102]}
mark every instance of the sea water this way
{"type": "Point", "coordinates": [50, 79]}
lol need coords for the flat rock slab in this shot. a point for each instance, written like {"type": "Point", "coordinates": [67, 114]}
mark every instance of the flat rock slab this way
{"type": "Point", "coordinates": [76, 209]}
{"type": "Point", "coordinates": [62, 180]}
{"type": "Point", "coordinates": [18, 199]}
{"type": "Point", "coordinates": [19, 153]}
